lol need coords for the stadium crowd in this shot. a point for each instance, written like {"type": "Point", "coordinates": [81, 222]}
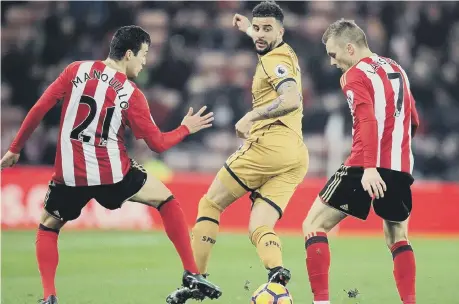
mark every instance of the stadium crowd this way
{"type": "Point", "coordinates": [197, 58]}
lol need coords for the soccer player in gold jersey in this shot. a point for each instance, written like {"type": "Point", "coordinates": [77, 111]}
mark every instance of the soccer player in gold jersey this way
{"type": "Point", "coordinates": [273, 160]}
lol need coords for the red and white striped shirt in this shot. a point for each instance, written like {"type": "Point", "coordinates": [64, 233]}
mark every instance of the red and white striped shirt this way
{"type": "Point", "coordinates": [98, 103]}
{"type": "Point", "coordinates": [384, 114]}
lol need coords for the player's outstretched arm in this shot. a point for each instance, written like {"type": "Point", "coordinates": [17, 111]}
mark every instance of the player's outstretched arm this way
{"type": "Point", "coordinates": [243, 24]}
{"type": "Point", "coordinates": [9, 159]}
{"type": "Point", "coordinates": [288, 101]}
{"type": "Point", "coordinates": [197, 122]}
{"type": "Point", "coordinates": [161, 141]}
{"type": "Point", "coordinates": [48, 100]}
{"type": "Point", "coordinates": [30, 123]}
{"type": "Point", "coordinates": [144, 127]}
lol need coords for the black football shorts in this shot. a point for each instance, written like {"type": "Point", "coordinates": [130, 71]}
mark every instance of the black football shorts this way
{"type": "Point", "coordinates": [65, 203]}
{"type": "Point", "coordinates": [344, 192]}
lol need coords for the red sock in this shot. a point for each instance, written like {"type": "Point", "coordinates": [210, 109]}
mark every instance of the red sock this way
{"type": "Point", "coordinates": [405, 271]}
{"type": "Point", "coordinates": [177, 231]}
{"type": "Point", "coordinates": [47, 258]}
{"type": "Point", "coordinates": [318, 264]}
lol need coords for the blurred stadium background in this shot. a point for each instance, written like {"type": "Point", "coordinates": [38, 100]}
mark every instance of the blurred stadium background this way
{"type": "Point", "coordinates": [197, 58]}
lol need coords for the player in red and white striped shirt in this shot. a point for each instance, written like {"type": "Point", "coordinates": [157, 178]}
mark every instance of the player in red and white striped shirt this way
{"type": "Point", "coordinates": [98, 103]}
{"type": "Point", "coordinates": [378, 170]}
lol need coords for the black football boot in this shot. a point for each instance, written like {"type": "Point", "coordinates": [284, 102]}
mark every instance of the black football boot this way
{"type": "Point", "coordinates": [198, 281]}
{"type": "Point", "coordinates": [279, 275]}
{"type": "Point", "coordinates": [50, 300]}
{"type": "Point", "coordinates": [181, 295]}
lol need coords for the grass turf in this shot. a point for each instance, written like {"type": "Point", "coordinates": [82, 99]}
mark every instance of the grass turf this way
{"type": "Point", "coordinates": [142, 267]}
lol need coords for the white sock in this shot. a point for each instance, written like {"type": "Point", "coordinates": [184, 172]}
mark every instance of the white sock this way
{"type": "Point", "coordinates": [321, 302]}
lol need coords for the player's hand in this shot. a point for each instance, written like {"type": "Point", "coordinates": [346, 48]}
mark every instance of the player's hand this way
{"type": "Point", "coordinates": [243, 126]}
{"type": "Point", "coordinates": [197, 122]}
{"type": "Point", "coordinates": [373, 183]}
{"type": "Point", "coordinates": [9, 160]}
{"type": "Point", "coordinates": [241, 22]}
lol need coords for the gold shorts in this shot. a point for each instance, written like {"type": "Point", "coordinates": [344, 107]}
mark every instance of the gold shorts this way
{"type": "Point", "coordinates": [271, 164]}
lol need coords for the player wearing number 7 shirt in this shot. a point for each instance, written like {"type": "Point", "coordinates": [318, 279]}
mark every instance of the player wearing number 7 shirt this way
{"type": "Point", "coordinates": [378, 170]}
{"type": "Point", "coordinates": [98, 103]}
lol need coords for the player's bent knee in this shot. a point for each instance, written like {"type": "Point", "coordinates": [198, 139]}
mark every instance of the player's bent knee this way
{"type": "Point", "coordinates": [262, 214]}
{"type": "Point", "coordinates": [231, 182]}
{"type": "Point", "coordinates": [157, 200]}
{"type": "Point", "coordinates": [153, 193]}
{"type": "Point", "coordinates": [221, 194]}
{"type": "Point", "coordinates": [391, 242]}
{"type": "Point", "coordinates": [208, 210]}
{"type": "Point", "coordinates": [315, 219]}
{"type": "Point", "coordinates": [309, 227]}
{"type": "Point", "coordinates": [395, 232]}
{"type": "Point", "coordinates": [50, 222]}
{"type": "Point", "coordinates": [321, 218]}
{"type": "Point", "coordinates": [170, 198]}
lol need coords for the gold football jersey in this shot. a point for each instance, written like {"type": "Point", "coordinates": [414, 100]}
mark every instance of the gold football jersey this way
{"type": "Point", "coordinates": [273, 69]}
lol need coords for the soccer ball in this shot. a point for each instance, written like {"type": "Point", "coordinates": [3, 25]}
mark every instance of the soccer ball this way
{"type": "Point", "coordinates": [271, 293]}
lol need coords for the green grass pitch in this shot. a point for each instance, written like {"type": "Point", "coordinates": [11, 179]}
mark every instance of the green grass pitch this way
{"type": "Point", "coordinates": [142, 267]}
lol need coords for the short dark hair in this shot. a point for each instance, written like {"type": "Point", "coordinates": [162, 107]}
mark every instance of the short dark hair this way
{"type": "Point", "coordinates": [128, 38]}
{"type": "Point", "coordinates": [347, 30]}
{"type": "Point", "coordinates": [268, 9]}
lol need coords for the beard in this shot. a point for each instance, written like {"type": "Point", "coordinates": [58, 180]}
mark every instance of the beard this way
{"type": "Point", "coordinates": [269, 47]}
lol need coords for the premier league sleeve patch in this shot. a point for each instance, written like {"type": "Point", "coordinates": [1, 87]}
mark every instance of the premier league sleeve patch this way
{"type": "Point", "coordinates": [281, 71]}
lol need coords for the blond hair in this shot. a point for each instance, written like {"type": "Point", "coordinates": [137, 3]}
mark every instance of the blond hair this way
{"type": "Point", "coordinates": [347, 31]}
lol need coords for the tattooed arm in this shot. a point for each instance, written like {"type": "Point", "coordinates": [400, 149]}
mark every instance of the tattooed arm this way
{"type": "Point", "coordinates": [288, 101]}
